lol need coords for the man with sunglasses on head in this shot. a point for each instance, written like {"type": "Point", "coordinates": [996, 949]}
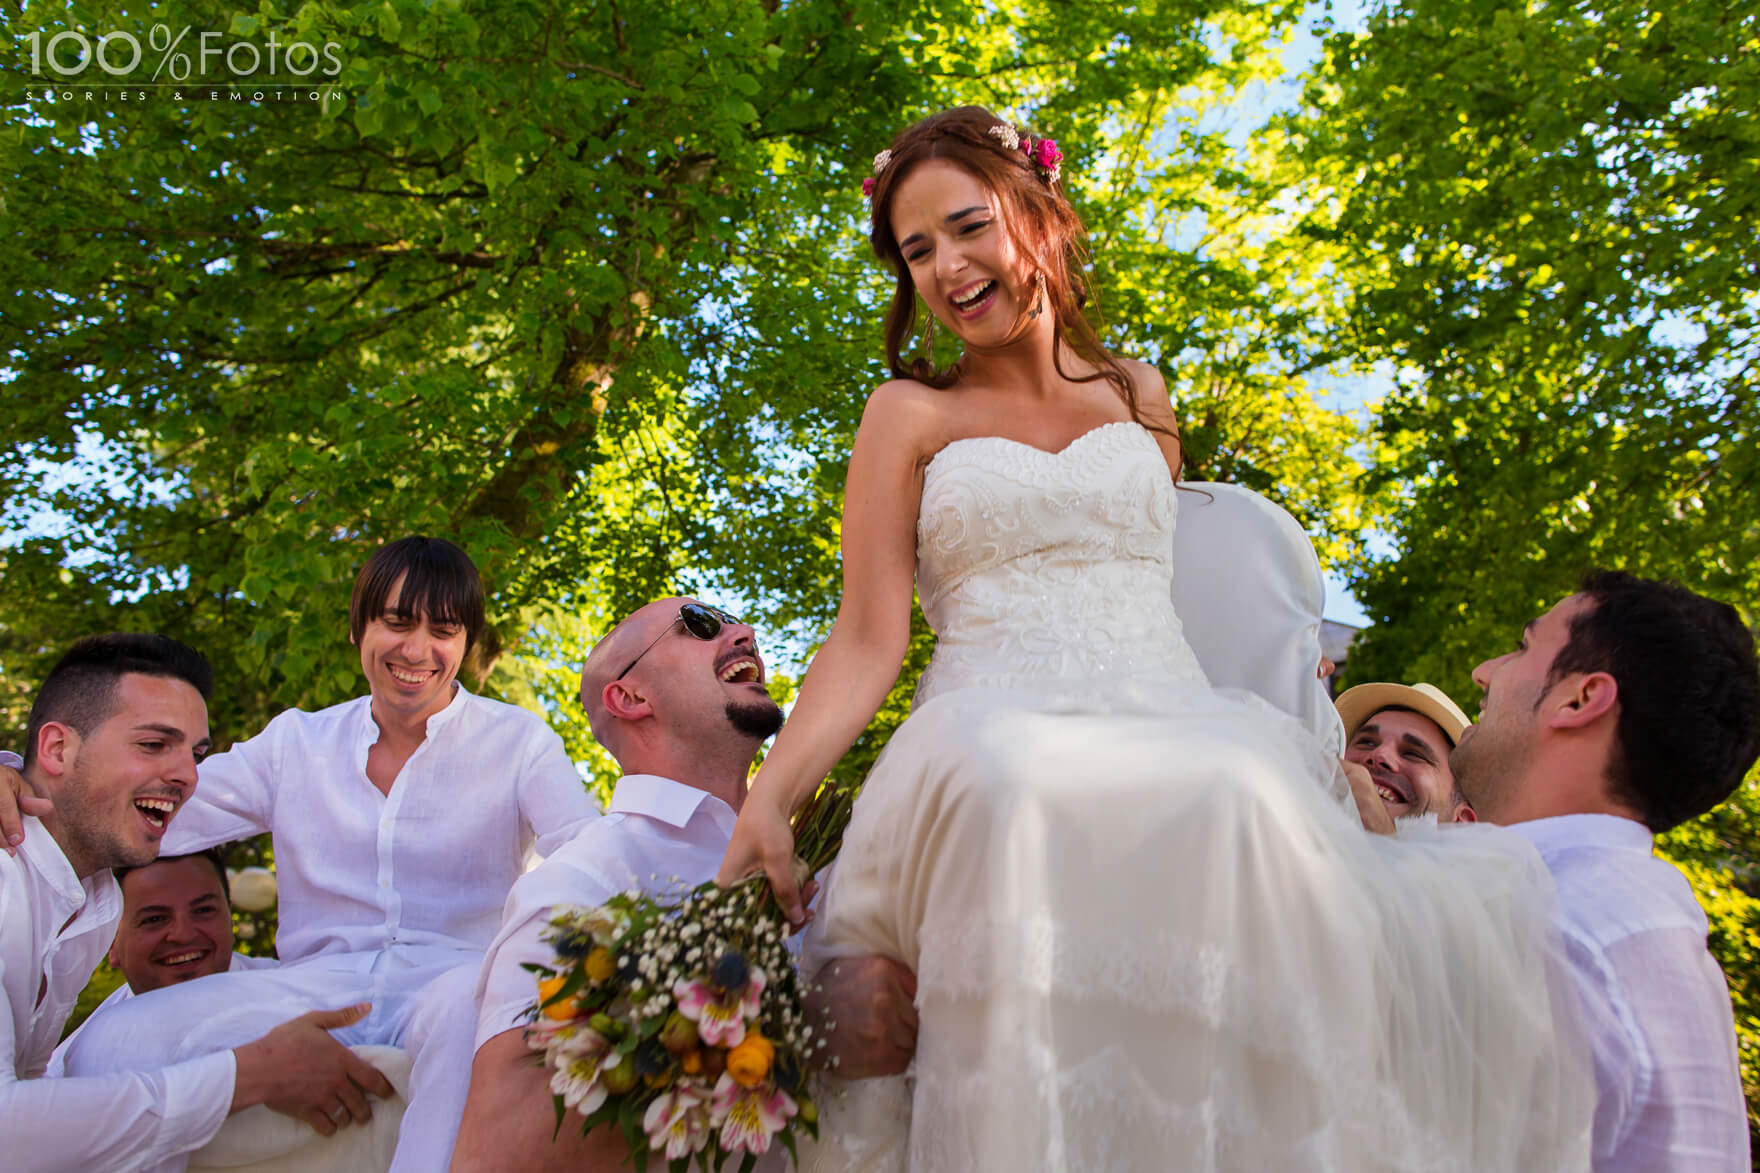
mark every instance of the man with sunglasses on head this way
{"type": "Point", "coordinates": [400, 821]}
{"type": "Point", "coordinates": [676, 694]}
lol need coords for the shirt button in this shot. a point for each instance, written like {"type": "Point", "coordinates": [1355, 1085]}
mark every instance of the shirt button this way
{"type": "Point", "coordinates": [384, 883]}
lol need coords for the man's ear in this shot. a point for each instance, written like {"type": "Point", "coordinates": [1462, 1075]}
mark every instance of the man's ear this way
{"type": "Point", "coordinates": [57, 748]}
{"type": "Point", "coordinates": [625, 701]}
{"type": "Point", "coordinates": [1582, 699]}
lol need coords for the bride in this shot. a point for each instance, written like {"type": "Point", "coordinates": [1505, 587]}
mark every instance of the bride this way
{"type": "Point", "coordinates": [1146, 933]}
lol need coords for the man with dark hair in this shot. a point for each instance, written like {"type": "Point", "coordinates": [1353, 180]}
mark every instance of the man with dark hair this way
{"type": "Point", "coordinates": [176, 922]}
{"type": "Point", "coordinates": [676, 693]}
{"type": "Point", "coordinates": [1626, 709]}
{"type": "Point", "coordinates": [1402, 734]}
{"type": "Point", "coordinates": [176, 926]}
{"type": "Point", "coordinates": [400, 820]}
{"type": "Point", "coordinates": [116, 731]}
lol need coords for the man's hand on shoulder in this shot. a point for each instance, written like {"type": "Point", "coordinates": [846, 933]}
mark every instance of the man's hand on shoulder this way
{"type": "Point", "coordinates": [17, 799]}
{"type": "Point", "coordinates": [300, 1071]}
{"type": "Point", "coordinates": [865, 1008]}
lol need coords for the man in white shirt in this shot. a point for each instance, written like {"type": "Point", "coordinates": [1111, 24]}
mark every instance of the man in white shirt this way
{"type": "Point", "coordinates": [676, 694]}
{"type": "Point", "coordinates": [112, 744]}
{"type": "Point", "coordinates": [1628, 708]}
{"type": "Point", "coordinates": [400, 821]}
{"type": "Point", "coordinates": [1402, 735]}
{"type": "Point", "coordinates": [176, 926]}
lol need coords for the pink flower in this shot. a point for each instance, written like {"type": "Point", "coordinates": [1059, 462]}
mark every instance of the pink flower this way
{"type": "Point", "coordinates": [678, 1121]}
{"type": "Point", "coordinates": [579, 1060]}
{"type": "Point", "coordinates": [749, 1117]}
{"type": "Point", "coordinates": [721, 1016]}
{"type": "Point", "coordinates": [868, 187]}
{"type": "Point", "coordinates": [1046, 154]}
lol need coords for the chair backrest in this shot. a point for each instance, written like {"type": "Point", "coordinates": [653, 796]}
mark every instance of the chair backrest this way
{"type": "Point", "coordinates": [1249, 593]}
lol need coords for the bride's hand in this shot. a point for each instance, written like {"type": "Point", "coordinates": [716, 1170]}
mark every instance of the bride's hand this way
{"type": "Point", "coordinates": [763, 840]}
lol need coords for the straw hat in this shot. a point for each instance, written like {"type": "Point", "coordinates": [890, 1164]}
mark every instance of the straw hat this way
{"type": "Point", "coordinates": [1356, 705]}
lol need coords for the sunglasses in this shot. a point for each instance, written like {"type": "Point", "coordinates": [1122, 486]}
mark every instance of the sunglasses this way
{"type": "Point", "coordinates": [700, 621]}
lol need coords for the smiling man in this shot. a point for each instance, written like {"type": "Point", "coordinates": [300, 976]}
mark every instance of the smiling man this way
{"type": "Point", "coordinates": [112, 744]}
{"type": "Point", "coordinates": [1627, 709]}
{"type": "Point", "coordinates": [1402, 734]}
{"type": "Point", "coordinates": [176, 922]}
{"type": "Point", "coordinates": [400, 820]}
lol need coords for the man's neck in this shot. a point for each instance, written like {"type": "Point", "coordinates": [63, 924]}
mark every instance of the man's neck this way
{"type": "Point", "coordinates": [725, 780]}
{"type": "Point", "coordinates": [52, 823]}
{"type": "Point", "coordinates": [404, 732]}
{"type": "Point", "coordinates": [1565, 785]}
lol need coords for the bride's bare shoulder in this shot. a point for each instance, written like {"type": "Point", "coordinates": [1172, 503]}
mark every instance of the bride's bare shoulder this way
{"type": "Point", "coordinates": [1150, 390]}
{"type": "Point", "coordinates": [905, 414]}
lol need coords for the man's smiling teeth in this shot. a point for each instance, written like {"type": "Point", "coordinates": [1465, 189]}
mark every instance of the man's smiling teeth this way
{"type": "Point", "coordinates": [407, 676]}
{"type": "Point", "coordinates": [973, 296]}
{"type": "Point", "coordinates": [1389, 794]}
{"type": "Point", "coordinates": [741, 672]}
{"type": "Point", "coordinates": [156, 810]}
{"type": "Point", "coordinates": [185, 958]}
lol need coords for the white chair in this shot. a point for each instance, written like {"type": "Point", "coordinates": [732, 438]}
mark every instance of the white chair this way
{"type": "Point", "coordinates": [258, 1140]}
{"type": "Point", "coordinates": [1249, 593]}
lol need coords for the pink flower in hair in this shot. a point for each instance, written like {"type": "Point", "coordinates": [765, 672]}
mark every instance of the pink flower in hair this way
{"type": "Point", "coordinates": [868, 187]}
{"type": "Point", "coordinates": [1046, 154]}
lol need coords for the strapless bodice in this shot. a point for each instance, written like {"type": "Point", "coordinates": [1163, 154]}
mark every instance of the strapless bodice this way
{"type": "Point", "coordinates": [1050, 570]}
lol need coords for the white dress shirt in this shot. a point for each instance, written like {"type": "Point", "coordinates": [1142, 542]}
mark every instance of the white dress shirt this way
{"type": "Point", "coordinates": [1669, 1086]}
{"type": "Point", "coordinates": [58, 1061]}
{"type": "Point", "coordinates": [659, 835]}
{"type": "Point", "coordinates": [422, 871]}
{"type": "Point", "coordinates": [54, 928]}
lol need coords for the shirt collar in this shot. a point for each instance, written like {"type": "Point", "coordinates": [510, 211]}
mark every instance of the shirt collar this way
{"type": "Point", "coordinates": [91, 897]}
{"type": "Point", "coordinates": [368, 729]}
{"type": "Point", "coordinates": [670, 802]}
{"type": "Point", "coordinates": [1592, 830]}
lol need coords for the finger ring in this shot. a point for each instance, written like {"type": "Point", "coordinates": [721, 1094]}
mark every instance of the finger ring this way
{"type": "Point", "coordinates": [338, 1116]}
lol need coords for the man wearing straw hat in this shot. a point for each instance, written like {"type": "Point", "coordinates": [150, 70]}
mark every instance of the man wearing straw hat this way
{"type": "Point", "coordinates": [1402, 735]}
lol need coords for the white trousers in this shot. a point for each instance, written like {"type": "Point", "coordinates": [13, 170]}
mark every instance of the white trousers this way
{"type": "Point", "coordinates": [426, 1008]}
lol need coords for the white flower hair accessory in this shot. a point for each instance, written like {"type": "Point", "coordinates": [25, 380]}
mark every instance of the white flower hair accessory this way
{"type": "Point", "coordinates": [880, 161]}
{"type": "Point", "coordinates": [1007, 135]}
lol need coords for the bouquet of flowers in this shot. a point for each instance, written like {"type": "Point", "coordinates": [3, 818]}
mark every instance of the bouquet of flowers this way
{"type": "Point", "coordinates": [678, 1019]}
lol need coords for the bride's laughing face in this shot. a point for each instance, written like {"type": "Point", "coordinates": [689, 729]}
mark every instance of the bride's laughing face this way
{"type": "Point", "coordinates": [964, 261]}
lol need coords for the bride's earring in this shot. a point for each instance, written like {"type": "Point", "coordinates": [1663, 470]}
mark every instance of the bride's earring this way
{"type": "Point", "coordinates": [1039, 302]}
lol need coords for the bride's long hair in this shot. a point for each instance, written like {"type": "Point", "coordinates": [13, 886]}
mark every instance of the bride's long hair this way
{"type": "Point", "coordinates": [1035, 211]}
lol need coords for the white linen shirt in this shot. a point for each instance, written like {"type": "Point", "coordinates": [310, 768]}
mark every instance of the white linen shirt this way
{"type": "Point", "coordinates": [58, 1061]}
{"type": "Point", "coordinates": [658, 835]}
{"type": "Point", "coordinates": [422, 871]}
{"type": "Point", "coordinates": [1669, 1086]}
{"type": "Point", "coordinates": [54, 928]}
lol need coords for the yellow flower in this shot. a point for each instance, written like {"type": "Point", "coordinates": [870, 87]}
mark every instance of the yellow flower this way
{"type": "Point", "coordinates": [600, 965]}
{"type": "Point", "coordinates": [749, 1062]}
{"type": "Point", "coordinates": [561, 1011]}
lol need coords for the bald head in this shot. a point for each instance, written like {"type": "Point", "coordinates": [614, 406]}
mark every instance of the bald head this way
{"type": "Point", "coordinates": [662, 688]}
{"type": "Point", "coordinates": [611, 654]}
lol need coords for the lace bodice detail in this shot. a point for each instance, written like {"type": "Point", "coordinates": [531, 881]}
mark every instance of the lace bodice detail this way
{"type": "Point", "coordinates": [1050, 571]}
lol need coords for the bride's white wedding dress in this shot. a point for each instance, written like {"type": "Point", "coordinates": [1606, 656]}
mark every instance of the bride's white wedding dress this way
{"type": "Point", "coordinates": [1146, 932]}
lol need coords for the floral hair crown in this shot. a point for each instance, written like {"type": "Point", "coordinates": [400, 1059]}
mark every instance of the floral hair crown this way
{"type": "Point", "coordinates": [1042, 153]}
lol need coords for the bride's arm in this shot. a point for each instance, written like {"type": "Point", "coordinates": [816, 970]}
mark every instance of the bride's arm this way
{"type": "Point", "coordinates": [859, 662]}
{"type": "Point", "coordinates": [1157, 410]}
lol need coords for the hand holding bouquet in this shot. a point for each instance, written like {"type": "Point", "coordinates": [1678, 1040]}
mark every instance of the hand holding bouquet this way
{"type": "Point", "coordinates": [678, 1019]}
